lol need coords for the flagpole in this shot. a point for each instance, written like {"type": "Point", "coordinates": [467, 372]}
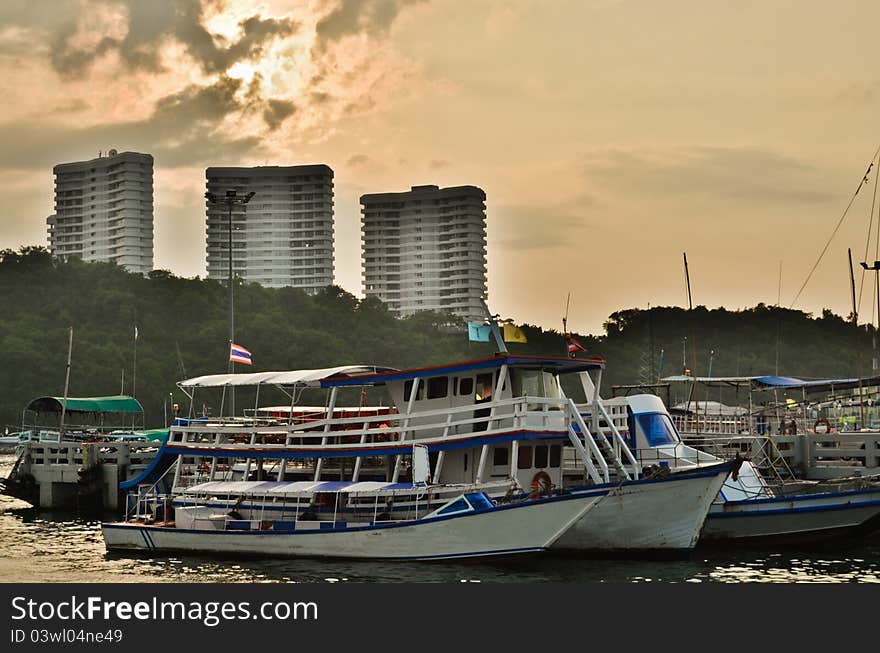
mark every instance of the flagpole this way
{"type": "Point", "coordinates": [565, 326]}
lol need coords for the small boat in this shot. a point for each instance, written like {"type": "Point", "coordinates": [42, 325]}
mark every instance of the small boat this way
{"type": "Point", "coordinates": [750, 509]}
{"type": "Point", "coordinates": [469, 525]}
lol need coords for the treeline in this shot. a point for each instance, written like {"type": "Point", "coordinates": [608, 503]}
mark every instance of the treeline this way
{"type": "Point", "coordinates": [183, 331]}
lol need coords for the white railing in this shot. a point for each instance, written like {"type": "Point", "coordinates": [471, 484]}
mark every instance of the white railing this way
{"type": "Point", "coordinates": [539, 413]}
{"type": "Point", "coordinates": [428, 426]}
{"type": "Point", "coordinates": [809, 455]}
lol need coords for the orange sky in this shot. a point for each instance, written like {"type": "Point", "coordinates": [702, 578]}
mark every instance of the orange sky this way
{"type": "Point", "coordinates": [610, 136]}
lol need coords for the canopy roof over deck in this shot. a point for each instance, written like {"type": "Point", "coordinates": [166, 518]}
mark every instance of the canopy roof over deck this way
{"type": "Point", "coordinates": [301, 378]}
{"type": "Point", "coordinates": [298, 488]}
{"type": "Point", "coordinates": [550, 364]}
{"type": "Point", "coordinates": [778, 382]}
{"type": "Point", "coordinates": [113, 404]}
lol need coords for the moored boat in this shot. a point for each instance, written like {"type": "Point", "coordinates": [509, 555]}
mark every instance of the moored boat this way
{"type": "Point", "coordinates": [664, 506]}
{"type": "Point", "coordinates": [496, 425]}
{"type": "Point", "coordinates": [747, 507]}
{"type": "Point", "coordinates": [468, 525]}
{"type": "Point", "coordinates": [751, 510]}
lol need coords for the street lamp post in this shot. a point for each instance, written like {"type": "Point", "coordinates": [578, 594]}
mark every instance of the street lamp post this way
{"type": "Point", "coordinates": [230, 199]}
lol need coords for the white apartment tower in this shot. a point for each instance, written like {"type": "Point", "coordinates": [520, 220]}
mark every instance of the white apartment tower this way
{"type": "Point", "coordinates": [426, 249]}
{"type": "Point", "coordinates": [104, 211]}
{"type": "Point", "coordinates": [283, 236]}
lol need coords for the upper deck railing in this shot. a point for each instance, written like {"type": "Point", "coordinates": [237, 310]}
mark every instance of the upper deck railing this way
{"type": "Point", "coordinates": [372, 435]}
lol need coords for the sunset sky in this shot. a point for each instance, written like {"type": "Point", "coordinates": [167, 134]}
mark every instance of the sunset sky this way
{"type": "Point", "coordinates": [610, 136]}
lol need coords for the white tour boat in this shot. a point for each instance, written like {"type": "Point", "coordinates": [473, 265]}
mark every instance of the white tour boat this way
{"type": "Point", "coordinates": [497, 426]}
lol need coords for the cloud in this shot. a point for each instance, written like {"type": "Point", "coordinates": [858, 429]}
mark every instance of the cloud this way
{"type": "Point", "coordinates": [358, 160]}
{"type": "Point", "coordinates": [148, 25]}
{"type": "Point", "coordinates": [352, 17]}
{"type": "Point", "coordinates": [859, 94]}
{"type": "Point", "coordinates": [718, 172]}
{"type": "Point", "coordinates": [437, 164]}
{"type": "Point", "coordinates": [539, 227]}
{"type": "Point", "coordinates": [186, 128]}
{"type": "Point", "coordinates": [277, 111]}
{"type": "Point", "coordinates": [238, 82]}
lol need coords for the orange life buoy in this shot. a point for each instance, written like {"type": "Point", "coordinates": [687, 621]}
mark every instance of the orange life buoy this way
{"type": "Point", "coordinates": [824, 423]}
{"type": "Point", "coordinates": [542, 485]}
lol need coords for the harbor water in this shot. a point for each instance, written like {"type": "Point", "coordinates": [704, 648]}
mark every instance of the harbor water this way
{"type": "Point", "coordinates": [39, 546]}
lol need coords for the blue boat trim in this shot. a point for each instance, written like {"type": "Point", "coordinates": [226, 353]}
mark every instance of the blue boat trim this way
{"type": "Point", "coordinates": [562, 365]}
{"type": "Point", "coordinates": [399, 448]}
{"type": "Point", "coordinates": [784, 511]}
{"type": "Point", "coordinates": [807, 497]}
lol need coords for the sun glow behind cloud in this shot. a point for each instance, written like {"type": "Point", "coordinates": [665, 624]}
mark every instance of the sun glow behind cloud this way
{"type": "Point", "coordinates": [581, 126]}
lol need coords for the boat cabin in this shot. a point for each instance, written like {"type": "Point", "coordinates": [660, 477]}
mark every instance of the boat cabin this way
{"type": "Point", "coordinates": [505, 417]}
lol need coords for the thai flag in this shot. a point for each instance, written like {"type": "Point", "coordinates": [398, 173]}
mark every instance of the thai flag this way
{"type": "Point", "coordinates": [238, 354]}
{"type": "Point", "coordinates": [574, 346]}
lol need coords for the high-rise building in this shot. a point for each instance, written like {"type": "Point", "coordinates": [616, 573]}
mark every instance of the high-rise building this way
{"type": "Point", "coordinates": [283, 236]}
{"type": "Point", "coordinates": [426, 249]}
{"type": "Point", "coordinates": [104, 211]}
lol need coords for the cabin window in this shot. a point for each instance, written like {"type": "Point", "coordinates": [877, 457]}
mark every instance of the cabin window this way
{"type": "Point", "coordinates": [465, 386]}
{"type": "Point", "coordinates": [438, 387]}
{"type": "Point", "coordinates": [531, 383]}
{"type": "Point", "coordinates": [556, 455]}
{"type": "Point", "coordinates": [657, 429]}
{"type": "Point", "coordinates": [524, 458]}
{"type": "Point", "coordinates": [500, 456]}
{"type": "Point", "coordinates": [485, 387]}
{"type": "Point", "coordinates": [407, 390]}
{"type": "Point", "coordinates": [465, 462]}
{"type": "Point", "coordinates": [541, 456]}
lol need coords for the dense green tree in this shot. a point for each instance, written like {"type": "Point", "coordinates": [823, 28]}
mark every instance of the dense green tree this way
{"type": "Point", "coordinates": [183, 327]}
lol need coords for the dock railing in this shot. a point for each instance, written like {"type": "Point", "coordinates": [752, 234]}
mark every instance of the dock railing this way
{"type": "Point", "coordinates": [809, 456]}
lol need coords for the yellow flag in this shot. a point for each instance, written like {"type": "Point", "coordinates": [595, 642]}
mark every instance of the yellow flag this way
{"type": "Point", "coordinates": [513, 333]}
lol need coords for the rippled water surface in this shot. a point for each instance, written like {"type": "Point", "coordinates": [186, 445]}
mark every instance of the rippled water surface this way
{"type": "Point", "coordinates": [38, 546]}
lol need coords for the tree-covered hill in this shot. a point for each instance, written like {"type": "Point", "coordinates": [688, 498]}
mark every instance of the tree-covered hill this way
{"type": "Point", "coordinates": [183, 327]}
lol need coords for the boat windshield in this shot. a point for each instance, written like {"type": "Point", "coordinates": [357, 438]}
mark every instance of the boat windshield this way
{"type": "Point", "coordinates": [657, 428]}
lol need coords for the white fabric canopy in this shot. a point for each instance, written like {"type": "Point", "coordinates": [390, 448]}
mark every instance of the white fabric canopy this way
{"type": "Point", "coordinates": [311, 378]}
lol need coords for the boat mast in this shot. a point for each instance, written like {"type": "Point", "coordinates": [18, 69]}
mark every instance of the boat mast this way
{"type": "Point", "coordinates": [66, 383]}
{"type": "Point", "coordinates": [855, 319]}
{"type": "Point", "coordinates": [692, 394]}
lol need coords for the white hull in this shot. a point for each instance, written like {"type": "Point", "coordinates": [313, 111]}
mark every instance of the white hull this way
{"type": "Point", "coordinates": [792, 517]}
{"type": "Point", "coordinates": [518, 528]}
{"type": "Point", "coordinates": [663, 514]}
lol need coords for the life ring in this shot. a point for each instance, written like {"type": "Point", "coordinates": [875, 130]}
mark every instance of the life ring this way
{"type": "Point", "coordinates": [542, 485]}
{"type": "Point", "coordinates": [824, 424]}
